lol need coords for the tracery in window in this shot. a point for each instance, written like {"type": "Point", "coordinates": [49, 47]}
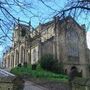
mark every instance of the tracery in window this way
{"type": "Point", "coordinates": [72, 41]}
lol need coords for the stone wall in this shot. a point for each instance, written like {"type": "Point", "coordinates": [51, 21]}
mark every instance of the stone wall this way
{"type": "Point", "coordinates": [47, 47]}
{"type": "Point", "coordinates": [6, 86]}
{"type": "Point", "coordinates": [55, 41]}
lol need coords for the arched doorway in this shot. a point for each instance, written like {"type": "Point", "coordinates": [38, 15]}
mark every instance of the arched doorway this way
{"type": "Point", "coordinates": [73, 73]}
{"type": "Point", "coordinates": [73, 67]}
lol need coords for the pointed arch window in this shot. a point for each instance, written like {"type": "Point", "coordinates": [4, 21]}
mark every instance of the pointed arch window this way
{"type": "Point", "coordinates": [8, 61]}
{"type": "Point", "coordinates": [72, 43]}
{"type": "Point", "coordinates": [34, 55]}
{"type": "Point", "coordinates": [12, 60]}
{"type": "Point", "coordinates": [17, 57]}
{"type": "Point", "coordinates": [22, 54]}
{"type": "Point", "coordinates": [29, 57]}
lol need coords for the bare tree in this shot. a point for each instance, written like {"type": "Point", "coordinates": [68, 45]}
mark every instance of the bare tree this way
{"type": "Point", "coordinates": [79, 9]}
{"type": "Point", "coordinates": [9, 13]}
{"type": "Point", "coordinates": [11, 9]}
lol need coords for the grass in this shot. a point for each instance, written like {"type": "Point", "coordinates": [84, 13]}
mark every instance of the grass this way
{"type": "Point", "coordinates": [38, 73]}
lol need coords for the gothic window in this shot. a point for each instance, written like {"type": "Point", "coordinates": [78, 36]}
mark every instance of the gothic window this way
{"type": "Point", "coordinates": [17, 57]}
{"type": "Point", "coordinates": [72, 43]}
{"type": "Point", "coordinates": [5, 63]}
{"type": "Point", "coordinates": [8, 61]}
{"type": "Point", "coordinates": [22, 55]}
{"type": "Point", "coordinates": [34, 55]}
{"type": "Point", "coordinates": [12, 60]}
{"type": "Point", "coordinates": [23, 33]}
{"type": "Point", "coordinates": [29, 57]}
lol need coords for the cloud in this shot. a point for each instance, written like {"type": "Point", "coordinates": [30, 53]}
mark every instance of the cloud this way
{"type": "Point", "coordinates": [88, 39]}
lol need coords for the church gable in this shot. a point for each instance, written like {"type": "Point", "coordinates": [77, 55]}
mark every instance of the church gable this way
{"type": "Point", "coordinates": [65, 39]}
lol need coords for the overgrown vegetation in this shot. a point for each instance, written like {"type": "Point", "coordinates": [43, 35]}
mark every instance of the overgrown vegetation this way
{"type": "Point", "coordinates": [38, 73]}
{"type": "Point", "coordinates": [48, 68]}
{"type": "Point", "coordinates": [48, 62]}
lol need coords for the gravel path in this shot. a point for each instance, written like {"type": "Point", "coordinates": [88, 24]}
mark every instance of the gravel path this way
{"type": "Point", "coordinates": [32, 86]}
{"type": "Point", "coordinates": [44, 85]}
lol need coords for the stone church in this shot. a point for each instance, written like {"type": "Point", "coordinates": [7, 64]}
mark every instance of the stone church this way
{"type": "Point", "coordinates": [64, 38]}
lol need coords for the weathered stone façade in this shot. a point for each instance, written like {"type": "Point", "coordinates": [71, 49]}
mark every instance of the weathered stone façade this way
{"type": "Point", "coordinates": [64, 38]}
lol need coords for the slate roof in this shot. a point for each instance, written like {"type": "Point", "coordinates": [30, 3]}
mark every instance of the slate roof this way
{"type": "Point", "coordinates": [4, 73]}
{"type": "Point", "coordinates": [61, 21]}
{"type": "Point", "coordinates": [6, 76]}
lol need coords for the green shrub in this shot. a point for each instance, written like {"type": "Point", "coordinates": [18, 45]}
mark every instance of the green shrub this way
{"type": "Point", "coordinates": [58, 68]}
{"type": "Point", "coordinates": [47, 62]}
{"type": "Point", "coordinates": [38, 73]}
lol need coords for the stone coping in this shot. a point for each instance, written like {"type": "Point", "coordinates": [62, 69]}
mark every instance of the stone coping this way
{"type": "Point", "coordinates": [6, 79]}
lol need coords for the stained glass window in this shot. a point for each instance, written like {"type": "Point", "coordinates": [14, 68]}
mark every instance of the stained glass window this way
{"type": "Point", "coordinates": [72, 41]}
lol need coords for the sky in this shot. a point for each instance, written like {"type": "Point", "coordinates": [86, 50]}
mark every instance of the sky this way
{"type": "Point", "coordinates": [88, 39]}
{"type": "Point", "coordinates": [38, 12]}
